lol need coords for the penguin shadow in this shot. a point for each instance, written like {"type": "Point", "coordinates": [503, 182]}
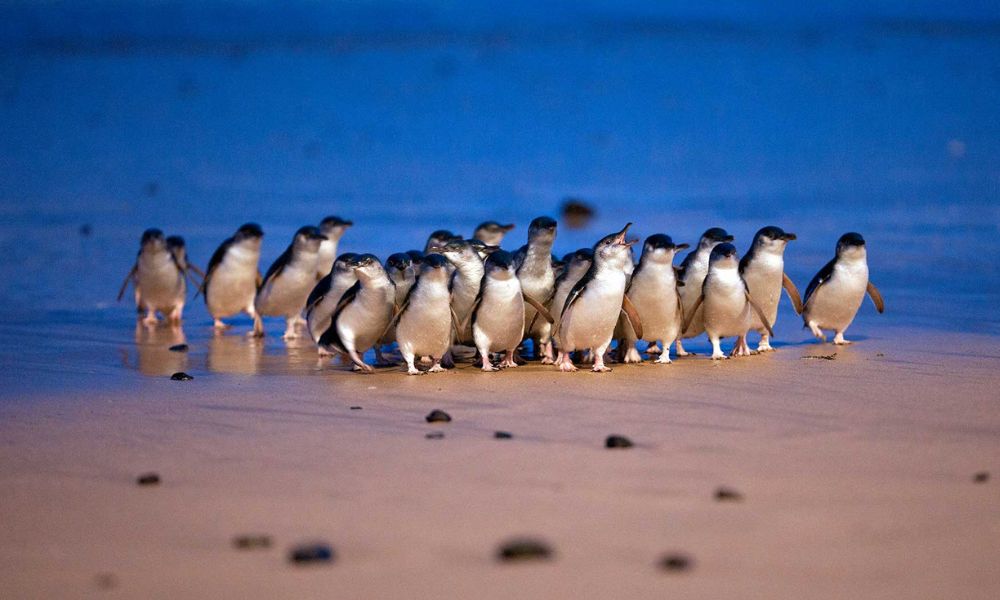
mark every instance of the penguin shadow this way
{"type": "Point", "coordinates": [234, 354]}
{"type": "Point", "coordinates": [153, 345]}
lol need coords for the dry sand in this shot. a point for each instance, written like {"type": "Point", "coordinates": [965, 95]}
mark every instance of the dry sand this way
{"type": "Point", "coordinates": [857, 477]}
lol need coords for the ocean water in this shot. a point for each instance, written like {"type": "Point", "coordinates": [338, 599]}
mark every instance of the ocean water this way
{"type": "Point", "coordinates": [197, 117]}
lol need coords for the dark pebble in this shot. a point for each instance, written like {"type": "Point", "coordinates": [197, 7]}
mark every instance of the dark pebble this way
{"type": "Point", "coordinates": [106, 581]}
{"type": "Point", "coordinates": [438, 416]}
{"type": "Point", "coordinates": [524, 549]}
{"type": "Point", "coordinates": [250, 542]}
{"type": "Point", "coordinates": [311, 553]}
{"type": "Point", "coordinates": [724, 494]}
{"type": "Point", "coordinates": [618, 441]}
{"type": "Point", "coordinates": [148, 479]}
{"type": "Point", "coordinates": [435, 435]}
{"type": "Point", "coordinates": [675, 562]}
{"type": "Point", "coordinates": [355, 408]}
{"type": "Point", "coordinates": [179, 348]}
{"type": "Point", "coordinates": [503, 435]}
{"type": "Point", "coordinates": [981, 477]}
{"type": "Point", "coordinates": [181, 376]}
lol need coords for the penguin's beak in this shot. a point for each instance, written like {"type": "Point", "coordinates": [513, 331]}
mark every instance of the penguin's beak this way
{"type": "Point", "coordinates": [507, 227]}
{"type": "Point", "coordinates": [788, 237]}
{"type": "Point", "coordinates": [681, 246]}
{"type": "Point", "coordinates": [728, 239]}
{"type": "Point", "coordinates": [620, 237]}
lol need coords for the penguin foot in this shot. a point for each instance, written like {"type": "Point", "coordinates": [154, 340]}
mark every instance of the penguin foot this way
{"type": "Point", "coordinates": [762, 347]}
{"type": "Point", "coordinates": [632, 356]}
{"type": "Point", "coordinates": [816, 331]}
{"type": "Point", "coordinates": [679, 349]}
{"type": "Point", "coordinates": [601, 369]}
{"type": "Point", "coordinates": [566, 364]}
{"type": "Point", "coordinates": [840, 341]}
{"type": "Point", "coordinates": [489, 369]}
{"type": "Point", "coordinates": [323, 352]}
{"type": "Point", "coordinates": [654, 349]}
{"type": "Point", "coordinates": [509, 363]}
{"type": "Point", "coordinates": [547, 360]}
{"type": "Point", "coordinates": [220, 326]}
{"type": "Point", "coordinates": [414, 371]}
{"type": "Point", "coordinates": [664, 359]}
{"type": "Point", "coordinates": [436, 368]}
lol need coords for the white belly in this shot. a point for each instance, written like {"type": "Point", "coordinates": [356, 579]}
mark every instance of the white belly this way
{"type": "Point", "coordinates": [234, 284]}
{"type": "Point", "coordinates": [425, 327]}
{"type": "Point", "coordinates": [161, 283]}
{"type": "Point", "coordinates": [325, 257]}
{"type": "Point", "coordinates": [500, 318]}
{"type": "Point", "coordinates": [764, 282]}
{"type": "Point", "coordinates": [320, 316]}
{"type": "Point", "coordinates": [657, 303]}
{"type": "Point", "coordinates": [590, 322]}
{"type": "Point", "coordinates": [286, 294]}
{"type": "Point", "coordinates": [690, 292]}
{"type": "Point", "coordinates": [836, 302]}
{"type": "Point", "coordinates": [725, 309]}
{"type": "Point", "coordinates": [361, 322]}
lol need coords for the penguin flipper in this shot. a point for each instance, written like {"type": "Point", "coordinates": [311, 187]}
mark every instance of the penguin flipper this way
{"type": "Point", "coordinates": [819, 279]}
{"type": "Point", "coordinates": [694, 310]}
{"type": "Point", "coordinates": [574, 295]}
{"type": "Point", "coordinates": [539, 308]}
{"type": "Point", "coordinates": [793, 293]}
{"type": "Point", "coordinates": [760, 314]}
{"type": "Point", "coordinates": [276, 267]}
{"type": "Point", "coordinates": [876, 297]}
{"type": "Point", "coordinates": [633, 316]}
{"type": "Point", "coordinates": [331, 337]}
{"type": "Point", "coordinates": [398, 311]}
{"type": "Point", "coordinates": [454, 324]}
{"type": "Point", "coordinates": [130, 277]}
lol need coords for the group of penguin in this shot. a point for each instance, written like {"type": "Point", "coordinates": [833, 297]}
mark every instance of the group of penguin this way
{"type": "Point", "coordinates": [469, 292]}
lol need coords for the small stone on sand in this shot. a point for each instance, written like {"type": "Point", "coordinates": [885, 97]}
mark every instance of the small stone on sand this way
{"type": "Point", "coordinates": [181, 376]}
{"type": "Point", "coordinates": [106, 581]}
{"type": "Point", "coordinates": [311, 553]}
{"type": "Point", "coordinates": [253, 541]}
{"type": "Point", "coordinates": [355, 408]}
{"type": "Point", "coordinates": [503, 435]}
{"type": "Point", "coordinates": [981, 477]}
{"type": "Point", "coordinates": [724, 494]}
{"type": "Point", "coordinates": [617, 441]}
{"type": "Point", "coordinates": [524, 549]}
{"type": "Point", "coordinates": [148, 479]}
{"type": "Point", "coordinates": [179, 348]}
{"type": "Point", "coordinates": [438, 416]}
{"type": "Point", "coordinates": [435, 435]}
{"type": "Point", "coordinates": [675, 562]}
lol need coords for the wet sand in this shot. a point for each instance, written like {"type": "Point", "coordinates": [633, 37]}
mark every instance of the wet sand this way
{"type": "Point", "coordinates": [856, 475]}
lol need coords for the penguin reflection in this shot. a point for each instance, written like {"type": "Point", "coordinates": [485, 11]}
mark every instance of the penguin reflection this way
{"type": "Point", "coordinates": [153, 347]}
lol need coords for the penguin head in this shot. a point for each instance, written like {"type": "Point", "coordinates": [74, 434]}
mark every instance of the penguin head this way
{"type": "Point", "coordinates": [500, 265]}
{"type": "Point", "coordinates": [344, 263]}
{"type": "Point", "coordinates": [398, 263]}
{"type": "Point", "coordinates": [333, 227]}
{"type": "Point", "coordinates": [176, 242]}
{"type": "Point", "coordinates": [438, 239]}
{"type": "Point", "coordinates": [249, 232]}
{"type": "Point", "coordinates": [368, 267]}
{"type": "Point", "coordinates": [713, 237]}
{"type": "Point", "coordinates": [491, 231]}
{"type": "Point", "coordinates": [308, 238]}
{"type": "Point", "coordinates": [851, 245]}
{"type": "Point", "coordinates": [771, 238]}
{"type": "Point", "coordinates": [416, 258]}
{"type": "Point", "coordinates": [152, 239]}
{"type": "Point", "coordinates": [482, 248]}
{"type": "Point", "coordinates": [435, 267]}
{"type": "Point", "coordinates": [724, 256]}
{"type": "Point", "coordinates": [580, 256]}
{"type": "Point", "coordinates": [542, 229]}
{"type": "Point", "coordinates": [615, 251]}
{"type": "Point", "coordinates": [459, 252]}
{"type": "Point", "coordinates": [660, 248]}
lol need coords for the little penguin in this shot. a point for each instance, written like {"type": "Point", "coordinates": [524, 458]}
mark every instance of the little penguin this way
{"type": "Point", "coordinates": [533, 262]}
{"type": "Point", "coordinates": [653, 292]}
{"type": "Point", "coordinates": [763, 268]}
{"type": "Point", "coordinates": [575, 265]}
{"type": "Point", "coordinates": [233, 274]}
{"type": "Point", "coordinates": [425, 323]}
{"type": "Point", "coordinates": [333, 228]}
{"type": "Point", "coordinates": [288, 281]}
{"type": "Point", "coordinates": [497, 316]}
{"type": "Point", "coordinates": [691, 274]}
{"type": "Point", "coordinates": [588, 318]}
{"type": "Point", "coordinates": [159, 279]}
{"type": "Point", "coordinates": [726, 303]}
{"type": "Point", "coordinates": [363, 312]}
{"type": "Point", "coordinates": [439, 238]}
{"type": "Point", "coordinates": [178, 248]}
{"type": "Point", "coordinates": [835, 294]}
{"type": "Point", "coordinates": [465, 282]}
{"type": "Point", "coordinates": [491, 233]}
{"type": "Point", "coordinates": [325, 296]}
{"type": "Point", "coordinates": [403, 275]}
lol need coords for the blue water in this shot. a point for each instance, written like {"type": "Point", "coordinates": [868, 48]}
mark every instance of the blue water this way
{"type": "Point", "coordinates": [196, 117]}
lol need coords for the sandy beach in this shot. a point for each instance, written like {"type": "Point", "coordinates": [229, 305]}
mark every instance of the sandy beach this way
{"type": "Point", "coordinates": [867, 471]}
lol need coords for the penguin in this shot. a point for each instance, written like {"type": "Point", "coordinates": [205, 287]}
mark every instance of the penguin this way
{"type": "Point", "coordinates": [835, 294]}
{"type": "Point", "coordinates": [178, 248]}
{"type": "Point", "coordinates": [363, 312]}
{"type": "Point", "coordinates": [588, 317]}
{"type": "Point", "coordinates": [491, 233]}
{"type": "Point", "coordinates": [400, 269]}
{"type": "Point", "coordinates": [497, 317]}
{"type": "Point", "coordinates": [691, 274]}
{"type": "Point", "coordinates": [577, 264]}
{"type": "Point", "coordinates": [482, 249]}
{"type": "Point", "coordinates": [763, 268]}
{"type": "Point", "coordinates": [325, 295]}
{"type": "Point", "coordinates": [333, 228]}
{"type": "Point", "coordinates": [288, 281]}
{"type": "Point", "coordinates": [438, 239]}
{"type": "Point", "coordinates": [230, 285]}
{"type": "Point", "coordinates": [465, 283]}
{"type": "Point", "coordinates": [416, 256]}
{"type": "Point", "coordinates": [653, 291]}
{"type": "Point", "coordinates": [159, 279]}
{"type": "Point", "coordinates": [533, 262]}
{"type": "Point", "coordinates": [425, 323]}
{"type": "Point", "coordinates": [726, 304]}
